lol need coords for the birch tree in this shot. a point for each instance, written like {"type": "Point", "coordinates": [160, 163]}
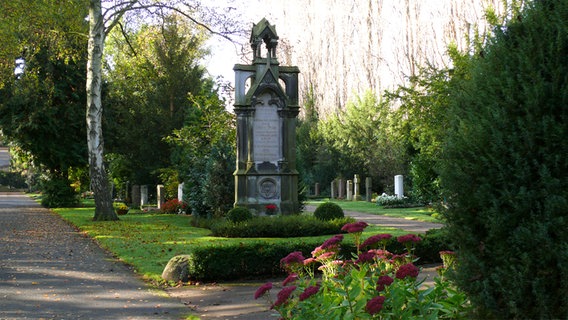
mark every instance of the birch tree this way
{"type": "Point", "coordinates": [101, 22]}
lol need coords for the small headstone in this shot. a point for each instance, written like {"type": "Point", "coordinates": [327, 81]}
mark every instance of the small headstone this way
{"type": "Point", "coordinates": [143, 195]}
{"type": "Point", "coordinates": [341, 187]}
{"type": "Point", "coordinates": [317, 190]}
{"type": "Point", "coordinates": [356, 181]}
{"type": "Point", "coordinates": [349, 190]}
{"type": "Point", "coordinates": [334, 189]}
{"type": "Point", "coordinates": [160, 192]}
{"type": "Point", "coordinates": [180, 192]}
{"type": "Point", "coordinates": [398, 186]}
{"type": "Point", "coordinates": [368, 189]}
{"type": "Point", "coordinates": [177, 269]}
{"type": "Point", "coordinates": [135, 195]}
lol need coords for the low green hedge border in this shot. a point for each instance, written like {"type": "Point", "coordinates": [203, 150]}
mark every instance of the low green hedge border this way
{"type": "Point", "coordinates": [262, 258]}
{"type": "Point", "coordinates": [279, 227]}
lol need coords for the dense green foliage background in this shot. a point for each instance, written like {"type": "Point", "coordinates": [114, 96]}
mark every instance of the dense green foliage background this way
{"type": "Point", "coordinates": [504, 169]}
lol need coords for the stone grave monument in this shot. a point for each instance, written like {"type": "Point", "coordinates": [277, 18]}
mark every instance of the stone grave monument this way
{"type": "Point", "coordinates": [266, 121]}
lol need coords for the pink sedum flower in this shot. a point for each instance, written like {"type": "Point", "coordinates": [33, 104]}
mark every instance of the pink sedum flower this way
{"type": "Point", "coordinates": [374, 239]}
{"type": "Point", "coordinates": [407, 270]}
{"type": "Point", "coordinates": [290, 278]}
{"type": "Point", "coordinates": [283, 295]}
{"type": "Point", "coordinates": [384, 281]}
{"type": "Point", "coordinates": [262, 290]}
{"type": "Point", "coordinates": [310, 291]}
{"type": "Point", "coordinates": [375, 305]}
{"type": "Point", "coordinates": [332, 242]}
{"type": "Point", "coordinates": [355, 227]}
{"type": "Point", "coordinates": [409, 238]}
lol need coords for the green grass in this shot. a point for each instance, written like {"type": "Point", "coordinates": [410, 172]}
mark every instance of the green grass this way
{"type": "Point", "coordinates": [419, 213]}
{"type": "Point", "coordinates": [149, 241]}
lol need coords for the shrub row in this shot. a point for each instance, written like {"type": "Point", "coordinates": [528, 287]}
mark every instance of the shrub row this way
{"type": "Point", "coordinates": [278, 227]}
{"type": "Point", "coordinates": [226, 261]}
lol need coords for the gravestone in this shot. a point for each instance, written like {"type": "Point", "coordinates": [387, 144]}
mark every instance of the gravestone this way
{"type": "Point", "coordinates": [180, 192]}
{"type": "Point", "coordinates": [160, 195]}
{"type": "Point", "coordinates": [349, 190]}
{"type": "Point", "coordinates": [143, 195]}
{"type": "Point", "coordinates": [341, 187]}
{"type": "Point", "coordinates": [398, 186]}
{"type": "Point", "coordinates": [266, 123]}
{"type": "Point", "coordinates": [333, 189]}
{"type": "Point", "coordinates": [317, 189]}
{"type": "Point", "coordinates": [135, 195]}
{"type": "Point", "coordinates": [356, 192]}
{"type": "Point", "coordinates": [368, 189]}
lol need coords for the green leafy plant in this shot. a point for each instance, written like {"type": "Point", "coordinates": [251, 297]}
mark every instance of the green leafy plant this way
{"type": "Point", "coordinates": [239, 214]}
{"type": "Point", "coordinates": [374, 284]}
{"type": "Point", "coordinates": [328, 211]}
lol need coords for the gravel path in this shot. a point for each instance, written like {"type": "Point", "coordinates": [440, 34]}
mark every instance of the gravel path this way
{"type": "Point", "coordinates": [50, 271]}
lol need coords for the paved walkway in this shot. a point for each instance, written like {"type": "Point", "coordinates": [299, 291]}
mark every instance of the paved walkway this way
{"type": "Point", "coordinates": [48, 270]}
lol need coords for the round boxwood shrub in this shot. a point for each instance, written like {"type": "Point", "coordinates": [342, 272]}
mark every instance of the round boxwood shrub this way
{"type": "Point", "coordinates": [239, 214]}
{"type": "Point", "coordinates": [328, 211]}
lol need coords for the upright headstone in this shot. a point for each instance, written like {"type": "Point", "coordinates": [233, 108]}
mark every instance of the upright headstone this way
{"type": "Point", "coordinates": [317, 190]}
{"type": "Point", "coordinates": [135, 195]}
{"type": "Point", "coordinates": [333, 189]}
{"type": "Point", "coordinates": [341, 187]}
{"type": "Point", "coordinates": [349, 190]}
{"type": "Point", "coordinates": [356, 192]}
{"type": "Point", "coordinates": [180, 192]}
{"type": "Point", "coordinates": [368, 189]}
{"type": "Point", "coordinates": [143, 195]}
{"type": "Point", "coordinates": [398, 186]}
{"type": "Point", "coordinates": [266, 113]}
{"type": "Point", "coordinates": [160, 195]}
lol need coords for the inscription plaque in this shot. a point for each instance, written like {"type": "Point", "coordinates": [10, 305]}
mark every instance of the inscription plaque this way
{"type": "Point", "coordinates": [266, 137]}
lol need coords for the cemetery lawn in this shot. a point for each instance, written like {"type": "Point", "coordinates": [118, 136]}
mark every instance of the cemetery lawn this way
{"type": "Point", "coordinates": [147, 241]}
{"type": "Point", "coordinates": [419, 213]}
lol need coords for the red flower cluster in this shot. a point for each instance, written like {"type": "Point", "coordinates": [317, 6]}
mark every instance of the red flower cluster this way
{"type": "Point", "coordinates": [366, 256]}
{"type": "Point", "coordinates": [374, 239]}
{"type": "Point", "coordinates": [290, 278]}
{"type": "Point", "coordinates": [310, 291]}
{"type": "Point", "coordinates": [407, 270]}
{"type": "Point", "coordinates": [355, 227]}
{"type": "Point", "coordinates": [375, 305]}
{"type": "Point", "coordinates": [409, 238]}
{"type": "Point", "coordinates": [332, 242]}
{"type": "Point", "coordinates": [383, 282]}
{"type": "Point", "coordinates": [262, 290]}
{"type": "Point", "coordinates": [283, 296]}
{"type": "Point", "coordinates": [174, 206]}
{"type": "Point", "coordinates": [295, 257]}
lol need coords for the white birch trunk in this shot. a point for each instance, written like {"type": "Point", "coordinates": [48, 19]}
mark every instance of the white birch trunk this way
{"type": "Point", "coordinates": [99, 180]}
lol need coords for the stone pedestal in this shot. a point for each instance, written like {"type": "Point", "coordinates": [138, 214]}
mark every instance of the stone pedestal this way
{"type": "Point", "coordinates": [399, 186]}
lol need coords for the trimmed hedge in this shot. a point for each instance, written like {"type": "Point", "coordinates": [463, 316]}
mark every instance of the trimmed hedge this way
{"type": "Point", "coordinates": [224, 261]}
{"type": "Point", "coordinates": [279, 227]}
